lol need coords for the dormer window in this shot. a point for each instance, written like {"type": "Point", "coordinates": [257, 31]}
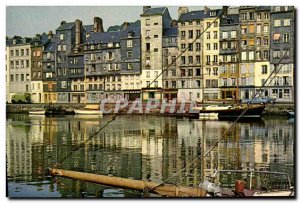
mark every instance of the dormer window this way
{"type": "Point", "coordinates": [213, 13]}
{"type": "Point", "coordinates": [110, 44]}
{"type": "Point", "coordinates": [130, 34]}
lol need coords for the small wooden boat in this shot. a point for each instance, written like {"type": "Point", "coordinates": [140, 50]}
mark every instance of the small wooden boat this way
{"type": "Point", "coordinates": [89, 110]}
{"type": "Point", "coordinates": [37, 112]}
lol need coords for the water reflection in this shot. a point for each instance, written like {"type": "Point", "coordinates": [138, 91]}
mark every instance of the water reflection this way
{"type": "Point", "coordinates": [138, 147]}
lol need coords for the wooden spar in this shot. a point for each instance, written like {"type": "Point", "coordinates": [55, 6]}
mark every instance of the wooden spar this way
{"type": "Point", "coordinates": [165, 189]}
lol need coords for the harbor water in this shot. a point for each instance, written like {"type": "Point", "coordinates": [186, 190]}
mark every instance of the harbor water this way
{"type": "Point", "coordinates": [153, 148]}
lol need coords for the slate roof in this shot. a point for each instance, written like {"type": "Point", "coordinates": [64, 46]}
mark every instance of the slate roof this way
{"type": "Point", "coordinates": [66, 26]}
{"type": "Point", "coordinates": [50, 47]}
{"type": "Point", "coordinates": [154, 11]}
{"type": "Point", "coordinates": [134, 27]}
{"type": "Point", "coordinates": [104, 37]}
{"type": "Point", "coordinates": [234, 18]}
{"type": "Point", "coordinates": [197, 15]}
{"type": "Point", "coordinates": [168, 32]}
{"type": "Point", "coordinates": [263, 8]}
{"type": "Point", "coordinates": [88, 28]}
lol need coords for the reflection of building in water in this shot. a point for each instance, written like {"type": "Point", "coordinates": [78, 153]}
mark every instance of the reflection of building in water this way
{"type": "Point", "coordinates": [269, 146]}
{"type": "Point", "coordinates": [18, 150]}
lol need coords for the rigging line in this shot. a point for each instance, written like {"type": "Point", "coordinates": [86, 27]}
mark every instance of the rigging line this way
{"type": "Point", "coordinates": [228, 130]}
{"type": "Point", "coordinates": [148, 86]}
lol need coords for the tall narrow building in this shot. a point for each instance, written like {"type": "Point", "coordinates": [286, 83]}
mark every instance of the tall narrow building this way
{"type": "Point", "coordinates": [153, 22]}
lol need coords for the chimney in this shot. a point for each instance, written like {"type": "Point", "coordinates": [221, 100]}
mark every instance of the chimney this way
{"type": "Point", "coordinates": [78, 27]}
{"type": "Point", "coordinates": [98, 27]}
{"type": "Point", "coordinates": [205, 9]}
{"type": "Point", "coordinates": [182, 10]}
{"type": "Point", "coordinates": [146, 8]}
{"type": "Point", "coordinates": [62, 22]}
{"type": "Point", "coordinates": [50, 34]}
{"type": "Point", "coordinates": [225, 10]}
{"type": "Point", "coordinates": [125, 25]}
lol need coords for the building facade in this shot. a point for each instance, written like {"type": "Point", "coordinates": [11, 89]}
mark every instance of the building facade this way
{"type": "Point", "coordinates": [19, 66]}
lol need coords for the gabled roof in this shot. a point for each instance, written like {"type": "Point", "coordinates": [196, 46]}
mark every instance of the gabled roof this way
{"type": "Point", "coordinates": [154, 11]}
{"type": "Point", "coordinates": [170, 32]}
{"type": "Point", "coordinates": [66, 26]}
{"type": "Point", "coordinates": [134, 27]}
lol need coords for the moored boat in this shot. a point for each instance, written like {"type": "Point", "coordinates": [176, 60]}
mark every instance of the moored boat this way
{"type": "Point", "coordinates": [37, 112]}
{"type": "Point", "coordinates": [229, 111]}
{"type": "Point", "coordinates": [89, 110]}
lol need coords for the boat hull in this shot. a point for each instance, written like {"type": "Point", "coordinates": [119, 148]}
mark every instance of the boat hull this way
{"type": "Point", "coordinates": [42, 112]}
{"type": "Point", "coordinates": [88, 112]}
{"type": "Point", "coordinates": [234, 112]}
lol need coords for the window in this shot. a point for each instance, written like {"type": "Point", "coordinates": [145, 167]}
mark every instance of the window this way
{"type": "Point", "coordinates": [224, 35]}
{"type": "Point", "coordinates": [182, 46]}
{"type": "Point", "coordinates": [258, 16]}
{"type": "Point", "coordinates": [276, 37]}
{"type": "Point", "coordinates": [11, 52]}
{"type": "Point", "coordinates": [277, 8]}
{"type": "Point", "coordinates": [61, 36]}
{"type": "Point", "coordinates": [207, 35]}
{"type": "Point", "coordinates": [277, 23]}
{"type": "Point", "coordinates": [258, 29]}
{"type": "Point", "coordinates": [215, 23]}
{"type": "Point", "coordinates": [155, 49]}
{"type": "Point", "coordinates": [215, 71]}
{"type": "Point", "coordinates": [129, 43]}
{"type": "Point", "coordinates": [129, 66]}
{"type": "Point", "coordinates": [173, 72]}
{"type": "Point", "coordinates": [155, 36]}
{"type": "Point", "coordinates": [244, 16]}
{"type": "Point", "coordinates": [197, 59]}
{"type": "Point", "coordinates": [208, 46]}
{"type": "Point", "coordinates": [22, 52]}
{"type": "Point", "coordinates": [190, 72]}
{"type": "Point", "coordinates": [215, 59]}
{"type": "Point", "coordinates": [207, 24]}
{"type": "Point", "coordinates": [251, 28]}
{"type": "Point", "coordinates": [264, 69]}
{"type": "Point", "coordinates": [266, 15]}
{"type": "Point", "coordinates": [286, 37]}
{"type": "Point", "coordinates": [182, 72]}
{"type": "Point", "coordinates": [276, 54]}
{"type": "Point", "coordinates": [63, 84]}
{"type": "Point", "coordinates": [266, 41]}
{"type": "Point", "coordinates": [190, 46]}
{"type": "Point", "coordinates": [258, 55]}
{"type": "Point", "coordinates": [190, 59]}
{"type": "Point", "coordinates": [147, 22]}
{"type": "Point", "coordinates": [208, 59]}
{"type": "Point", "coordinates": [147, 47]}
{"type": "Point", "coordinates": [286, 22]}
{"type": "Point", "coordinates": [197, 46]}
{"type": "Point", "coordinates": [182, 34]}
{"type": "Point", "coordinates": [182, 60]}
{"type": "Point", "coordinates": [224, 81]}
{"type": "Point", "coordinates": [233, 34]}
{"type": "Point", "coordinates": [251, 16]}
{"type": "Point", "coordinates": [244, 30]}
{"type": "Point", "coordinates": [17, 52]}
{"type": "Point", "coordinates": [251, 42]}
{"type": "Point", "coordinates": [215, 46]}
{"type": "Point", "coordinates": [251, 55]}
{"type": "Point", "coordinates": [147, 33]}
{"type": "Point", "coordinates": [244, 55]}
{"type": "Point", "coordinates": [197, 33]}
{"type": "Point", "coordinates": [266, 28]}
{"type": "Point", "coordinates": [190, 33]}
{"type": "Point", "coordinates": [215, 35]}
{"type": "Point", "coordinates": [11, 77]}
{"type": "Point", "coordinates": [129, 54]}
